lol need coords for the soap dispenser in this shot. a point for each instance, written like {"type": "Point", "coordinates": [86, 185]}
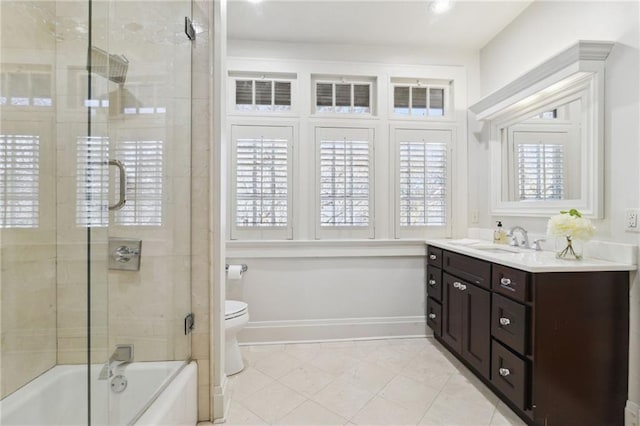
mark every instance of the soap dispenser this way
{"type": "Point", "coordinates": [499, 236]}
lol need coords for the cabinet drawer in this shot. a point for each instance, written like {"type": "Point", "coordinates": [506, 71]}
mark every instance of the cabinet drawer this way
{"type": "Point", "coordinates": [434, 283]}
{"type": "Point", "coordinates": [509, 374]}
{"type": "Point", "coordinates": [473, 270]}
{"type": "Point", "coordinates": [434, 256]}
{"type": "Point", "coordinates": [509, 323]}
{"type": "Point", "coordinates": [510, 282]}
{"type": "Point", "coordinates": [434, 316]}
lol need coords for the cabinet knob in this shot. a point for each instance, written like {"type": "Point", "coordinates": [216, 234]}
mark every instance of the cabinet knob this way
{"type": "Point", "coordinates": [504, 372]}
{"type": "Point", "coordinates": [456, 284]}
{"type": "Point", "coordinates": [432, 282]}
{"type": "Point", "coordinates": [462, 287]}
{"type": "Point", "coordinates": [433, 257]}
{"type": "Point", "coordinates": [505, 321]}
{"type": "Point", "coordinates": [505, 281]}
{"type": "Point", "coordinates": [432, 316]}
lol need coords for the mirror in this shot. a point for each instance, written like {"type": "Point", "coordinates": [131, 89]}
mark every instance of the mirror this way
{"type": "Point", "coordinates": [541, 155]}
{"type": "Point", "coordinates": [545, 133]}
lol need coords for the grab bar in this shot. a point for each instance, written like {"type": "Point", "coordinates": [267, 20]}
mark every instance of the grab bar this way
{"type": "Point", "coordinates": [245, 268]}
{"type": "Point", "coordinates": [123, 185]}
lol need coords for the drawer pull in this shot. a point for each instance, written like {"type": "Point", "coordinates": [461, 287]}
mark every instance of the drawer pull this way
{"type": "Point", "coordinates": [504, 372]}
{"type": "Point", "coordinates": [432, 282]}
{"type": "Point", "coordinates": [432, 316]}
{"type": "Point", "coordinates": [505, 281]}
{"type": "Point", "coordinates": [505, 321]}
{"type": "Point", "coordinates": [456, 284]}
{"type": "Point", "coordinates": [433, 257]}
{"type": "Point", "coordinates": [462, 287]}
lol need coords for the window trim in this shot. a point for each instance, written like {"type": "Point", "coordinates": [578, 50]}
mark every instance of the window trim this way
{"type": "Point", "coordinates": [448, 99]}
{"type": "Point", "coordinates": [261, 233]}
{"type": "Point", "coordinates": [234, 76]}
{"type": "Point", "coordinates": [422, 231]}
{"type": "Point", "coordinates": [344, 232]}
{"type": "Point", "coordinates": [334, 79]}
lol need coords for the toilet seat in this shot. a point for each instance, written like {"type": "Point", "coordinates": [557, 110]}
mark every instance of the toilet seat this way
{"type": "Point", "coordinates": [234, 309]}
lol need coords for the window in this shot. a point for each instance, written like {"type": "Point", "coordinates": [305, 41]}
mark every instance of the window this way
{"type": "Point", "coordinates": [262, 94]}
{"type": "Point", "coordinates": [540, 171]}
{"type": "Point", "coordinates": [422, 176]}
{"type": "Point", "coordinates": [419, 99]}
{"type": "Point", "coordinates": [261, 181]}
{"type": "Point", "coordinates": [26, 85]}
{"type": "Point", "coordinates": [92, 181]}
{"type": "Point", "coordinates": [19, 181]}
{"type": "Point", "coordinates": [343, 96]}
{"type": "Point", "coordinates": [144, 162]}
{"type": "Point", "coordinates": [345, 192]}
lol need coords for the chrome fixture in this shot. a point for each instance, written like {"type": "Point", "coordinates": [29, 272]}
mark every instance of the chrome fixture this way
{"type": "Point", "coordinates": [514, 239]}
{"type": "Point", "coordinates": [122, 355]}
{"type": "Point", "coordinates": [245, 268]}
{"type": "Point", "coordinates": [124, 254]}
{"type": "Point", "coordinates": [535, 245]}
{"type": "Point", "coordinates": [123, 185]}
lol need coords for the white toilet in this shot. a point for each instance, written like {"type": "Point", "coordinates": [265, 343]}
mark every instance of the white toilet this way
{"type": "Point", "coordinates": [236, 316]}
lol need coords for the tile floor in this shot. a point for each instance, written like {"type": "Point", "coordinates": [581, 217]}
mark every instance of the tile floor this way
{"type": "Point", "coordinates": [375, 382]}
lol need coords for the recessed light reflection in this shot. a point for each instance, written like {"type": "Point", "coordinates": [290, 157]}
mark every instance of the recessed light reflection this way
{"type": "Point", "coordinates": [255, 1]}
{"type": "Point", "coordinates": [440, 6]}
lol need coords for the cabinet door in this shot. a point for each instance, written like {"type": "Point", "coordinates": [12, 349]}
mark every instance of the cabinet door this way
{"type": "Point", "coordinates": [476, 327]}
{"type": "Point", "coordinates": [452, 312]}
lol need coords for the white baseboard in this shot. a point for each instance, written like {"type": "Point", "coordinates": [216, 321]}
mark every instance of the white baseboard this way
{"type": "Point", "coordinates": [221, 402]}
{"type": "Point", "coordinates": [333, 329]}
{"type": "Point", "coordinates": [632, 414]}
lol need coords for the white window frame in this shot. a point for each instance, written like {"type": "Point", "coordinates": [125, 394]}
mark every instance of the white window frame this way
{"type": "Point", "coordinates": [338, 231]}
{"type": "Point", "coordinates": [439, 134]}
{"type": "Point", "coordinates": [234, 76]}
{"type": "Point", "coordinates": [237, 130]}
{"type": "Point", "coordinates": [361, 80]}
{"type": "Point", "coordinates": [448, 103]}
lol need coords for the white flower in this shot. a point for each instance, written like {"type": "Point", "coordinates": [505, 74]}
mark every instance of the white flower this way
{"type": "Point", "coordinates": [566, 225]}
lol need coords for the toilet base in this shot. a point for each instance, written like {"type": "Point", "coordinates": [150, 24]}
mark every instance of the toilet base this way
{"type": "Point", "coordinates": [233, 363]}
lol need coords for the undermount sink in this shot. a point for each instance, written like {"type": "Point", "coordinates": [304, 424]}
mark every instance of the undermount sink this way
{"type": "Point", "coordinates": [495, 248]}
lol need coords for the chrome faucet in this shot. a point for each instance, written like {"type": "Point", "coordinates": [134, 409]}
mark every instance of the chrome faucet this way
{"type": "Point", "coordinates": [514, 239]}
{"type": "Point", "coordinates": [122, 355]}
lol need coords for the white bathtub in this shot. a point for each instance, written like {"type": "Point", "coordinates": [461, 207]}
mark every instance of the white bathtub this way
{"type": "Point", "coordinates": [59, 397]}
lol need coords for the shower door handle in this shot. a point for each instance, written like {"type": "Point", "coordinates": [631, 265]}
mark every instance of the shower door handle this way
{"type": "Point", "coordinates": [123, 185]}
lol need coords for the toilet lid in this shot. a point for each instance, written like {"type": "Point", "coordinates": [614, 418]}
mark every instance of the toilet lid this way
{"type": "Point", "coordinates": [234, 308]}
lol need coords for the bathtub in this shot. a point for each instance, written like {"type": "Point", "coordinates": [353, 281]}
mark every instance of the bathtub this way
{"type": "Point", "coordinates": [157, 393]}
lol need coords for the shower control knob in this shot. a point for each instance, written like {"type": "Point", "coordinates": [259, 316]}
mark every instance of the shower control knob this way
{"type": "Point", "coordinates": [124, 254]}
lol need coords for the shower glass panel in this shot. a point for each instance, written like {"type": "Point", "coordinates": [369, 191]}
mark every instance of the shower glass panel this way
{"type": "Point", "coordinates": [83, 83]}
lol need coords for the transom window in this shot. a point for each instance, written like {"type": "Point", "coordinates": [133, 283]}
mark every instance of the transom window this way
{"type": "Point", "coordinates": [262, 93]}
{"type": "Point", "coordinates": [416, 98]}
{"type": "Point", "coordinates": [341, 96]}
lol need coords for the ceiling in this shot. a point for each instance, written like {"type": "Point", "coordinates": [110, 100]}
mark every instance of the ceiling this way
{"type": "Point", "coordinates": [470, 24]}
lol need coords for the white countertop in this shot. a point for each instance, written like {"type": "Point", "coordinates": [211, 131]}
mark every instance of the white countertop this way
{"type": "Point", "coordinates": [525, 259]}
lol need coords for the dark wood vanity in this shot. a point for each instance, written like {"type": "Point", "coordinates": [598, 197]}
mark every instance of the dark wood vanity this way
{"type": "Point", "coordinates": [552, 345]}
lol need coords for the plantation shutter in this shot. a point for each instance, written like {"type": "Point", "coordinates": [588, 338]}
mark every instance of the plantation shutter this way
{"type": "Point", "coordinates": [144, 160]}
{"type": "Point", "coordinates": [344, 165]}
{"type": "Point", "coordinates": [19, 181]}
{"type": "Point", "coordinates": [422, 173]}
{"type": "Point", "coordinates": [262, 176]}
{"type": "Point", "coordinates": [540, 171]}
{"type": "Point", "coordinates": [92, 181]}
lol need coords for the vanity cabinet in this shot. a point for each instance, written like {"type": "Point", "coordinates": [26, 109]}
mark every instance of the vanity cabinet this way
{"type": "Point", "coordinates": [552, 345]}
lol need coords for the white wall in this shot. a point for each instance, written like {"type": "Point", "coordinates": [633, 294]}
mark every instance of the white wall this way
{"type": "Point", "coordinates": [542, 30]}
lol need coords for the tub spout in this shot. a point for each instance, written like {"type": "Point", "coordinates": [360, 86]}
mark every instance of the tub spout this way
{"type": "Point", "coordinates": [122, 355]}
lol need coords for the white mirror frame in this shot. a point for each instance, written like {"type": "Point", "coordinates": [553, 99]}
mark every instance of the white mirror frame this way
{"type": "Point", "coordinates": [576, 73]}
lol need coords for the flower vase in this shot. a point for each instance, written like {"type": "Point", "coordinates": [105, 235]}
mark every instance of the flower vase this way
{"type": "Point", "coordinates": [568, 248]}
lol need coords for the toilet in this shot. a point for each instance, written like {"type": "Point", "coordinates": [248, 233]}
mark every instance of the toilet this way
{"type": "Point", "coordinates": [236, 316]}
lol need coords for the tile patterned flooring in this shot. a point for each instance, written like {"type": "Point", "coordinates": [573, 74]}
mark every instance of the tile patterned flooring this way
{"type": "Point", "coordinates": [373, 382]}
